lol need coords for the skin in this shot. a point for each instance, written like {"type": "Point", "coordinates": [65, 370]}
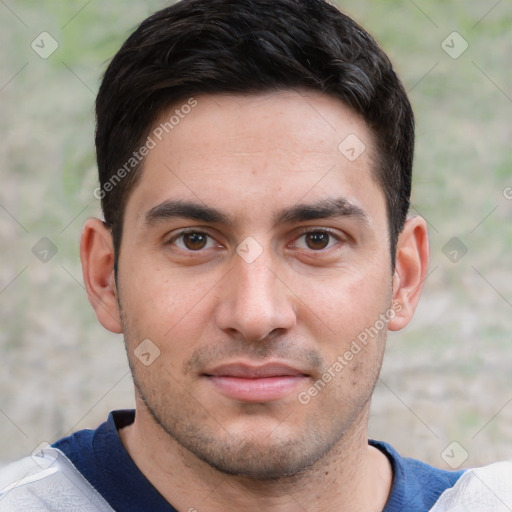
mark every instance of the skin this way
{"type": "Point", "coordinates": [301, 302]}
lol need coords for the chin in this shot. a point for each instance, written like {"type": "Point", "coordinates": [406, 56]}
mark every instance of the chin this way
{"type": "Point", "coordinates": [259, 460]}
{"type": "Point", "coordinates": [257, 449]}
{"type": "Point", "coordinates": [254, 444]}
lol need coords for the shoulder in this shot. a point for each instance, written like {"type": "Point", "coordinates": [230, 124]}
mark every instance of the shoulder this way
{"type": "Point", "coordinates": [48, 481]}
{"type": "Point", "coordinates": [485, 488]}
{"type": "Point", "coordinates": [416, 485]}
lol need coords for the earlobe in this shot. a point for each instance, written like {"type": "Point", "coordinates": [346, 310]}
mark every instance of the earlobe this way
{"type": "Point", "coordinates": [412, 257]}
{"type": "Point", "coordinates": [97, 257]}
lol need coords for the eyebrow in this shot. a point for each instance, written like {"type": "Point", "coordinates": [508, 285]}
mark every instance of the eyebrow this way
{"type": "Point", "coordinates": [323, 209]}
{"type": "Point", "coordinates": [185, 209]}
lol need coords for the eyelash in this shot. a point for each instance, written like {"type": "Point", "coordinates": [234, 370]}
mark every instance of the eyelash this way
{"type": "Point", "coordinates": [303, 233]}
{"type": "Point", "coordinates": [328, 231]}
{"type": "Point", "coordinates": [181, 234]}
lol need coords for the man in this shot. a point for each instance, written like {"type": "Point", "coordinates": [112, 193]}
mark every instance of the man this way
{"type": "Point", "coordinates": [255, 164]}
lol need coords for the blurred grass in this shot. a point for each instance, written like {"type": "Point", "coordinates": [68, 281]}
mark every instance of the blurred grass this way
{"type": "Point", "coordinates": [450, 367]}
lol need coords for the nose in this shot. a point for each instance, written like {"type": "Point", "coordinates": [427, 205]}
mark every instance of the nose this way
{"type": "Point", "coordinates": [254, 302]}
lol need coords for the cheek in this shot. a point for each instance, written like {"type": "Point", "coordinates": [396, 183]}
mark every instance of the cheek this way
{"type": "Point", "coordinates": [349, 301]}
{"type": "Point", "coordinates": [166, 305]}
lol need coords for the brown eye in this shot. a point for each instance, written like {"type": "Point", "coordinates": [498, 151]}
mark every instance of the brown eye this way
{"type": "Point", "coordinates": [194, 244]}
{"type": "Point", "coordinates": [195, 241]}
{"type": "Point", "coordinates": [317, 240]}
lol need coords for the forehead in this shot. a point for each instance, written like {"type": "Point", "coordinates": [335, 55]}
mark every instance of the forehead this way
{"type": "Point", "coordinates": [258, 153]}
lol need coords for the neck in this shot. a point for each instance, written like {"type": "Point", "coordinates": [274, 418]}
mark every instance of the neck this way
{"type": "Point", "coordinates": [352, 476]}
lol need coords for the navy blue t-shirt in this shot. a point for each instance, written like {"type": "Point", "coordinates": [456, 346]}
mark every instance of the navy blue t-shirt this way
{"type": "Point", "coordinates": [101, 457]}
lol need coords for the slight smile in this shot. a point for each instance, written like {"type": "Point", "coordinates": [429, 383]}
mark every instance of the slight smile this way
{"type": "Point", "coordinates": [256, 384]}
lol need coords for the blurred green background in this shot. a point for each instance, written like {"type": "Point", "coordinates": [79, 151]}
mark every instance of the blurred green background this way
{"type": "Point", "coordinates": [446, 378]}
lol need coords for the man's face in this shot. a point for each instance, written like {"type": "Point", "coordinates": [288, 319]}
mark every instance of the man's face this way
{"type": "Point", "coordinates": [254, 253]}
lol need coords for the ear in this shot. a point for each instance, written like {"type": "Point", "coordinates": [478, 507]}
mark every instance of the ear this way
{"type": "Point", "coordinates": [97, 256]}
{"type": "Point", "coordinates": [412, 256]}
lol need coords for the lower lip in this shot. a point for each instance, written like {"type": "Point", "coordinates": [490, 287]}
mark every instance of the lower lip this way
{"type": "Point", "coordinates": [258, 390]}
